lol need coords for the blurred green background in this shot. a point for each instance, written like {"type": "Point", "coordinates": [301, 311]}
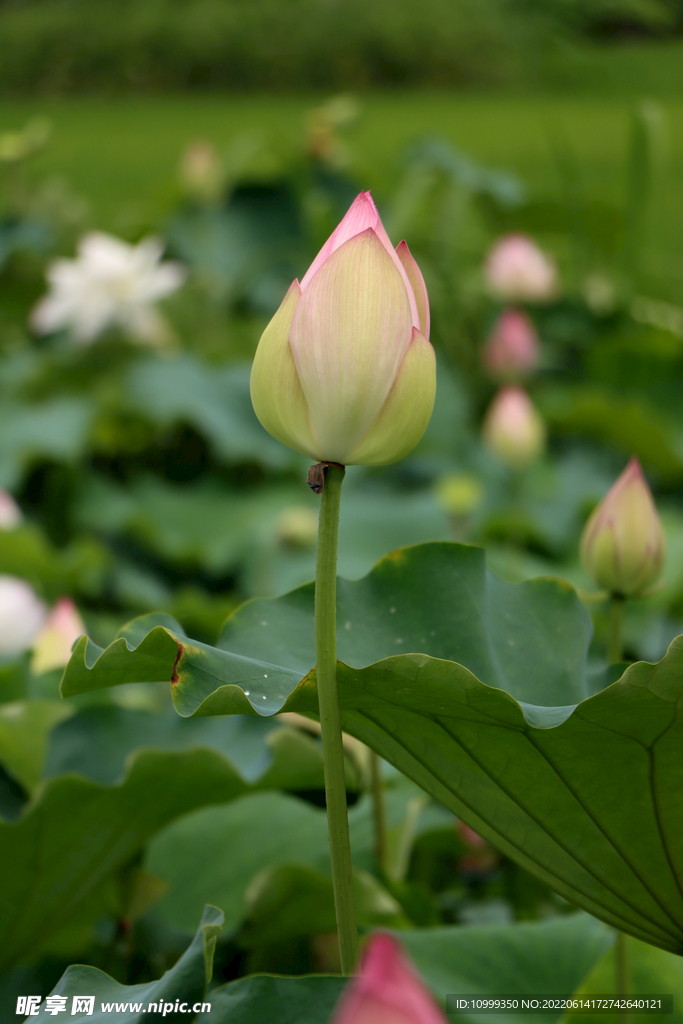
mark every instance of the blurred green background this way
{"type": "Point", "coordinates": [239, 133]}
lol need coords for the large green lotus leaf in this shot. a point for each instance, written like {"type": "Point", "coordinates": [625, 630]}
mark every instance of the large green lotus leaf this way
{"type": "Point", "coordinates": [97, 742]}
{"type": "Point", "coordinates": [57, 429]}
{"type": "Point", "coordinates": [547, 957]}
{"type": "Point", "coordinates": [25, 728]}
{"type": "Point", "coordinates": [186, 981]}
{"type": "Point", "coordinates": [374, 519]}
{"type": "Point", "coordinates": [491, 717]}
{"type": "Point", "coordinates": [214, 400]}
{"type": "Point", "coordinates": [263, 998]}
{"type": "Point", "coordinates": [541, 956]}
{"type": "Point", "coordinates": [651, 971]}
{"type": "Point", "coordinates": [633, 422]}
{"type": "Point", "coordinates": [292, 901]}
{"type": "Point", "coordinates": [268, 531]}
{"type": "Point", "coordinates": [75, 833]}
{"type": "Point", "coordinates": [212, 855]}
{"type": "Point", "coordinates": [164, 517]}
{"type": "Point", "coordinates": [550, 956]}
{"type": "Point", "coordinates": [27, 553]}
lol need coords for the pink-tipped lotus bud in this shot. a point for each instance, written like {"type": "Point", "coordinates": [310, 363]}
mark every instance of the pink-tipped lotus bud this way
{"type": "Point", "coordinates": [344, 371]}
{"type": "Point", "coordinates": [52, 646]}
{"type": "Point", "coordinates": [10, 513]}
{"type": "Point", "coordinates": [481, 858]}
{"type": "Point", "coordinates": [201, 171]}
{"type": "Point", "coordinates": [22, 613]}
{"type": "Point", "coordinates": [622, 545]}
{"type": "Point", "coordinates": [512, 349]}
{"type": "Point", "coordinates": [513, 428]}
{"type": "Point", "coordinates": [387, 991]}
{"type": "Point", "coordinates": [517, 270]}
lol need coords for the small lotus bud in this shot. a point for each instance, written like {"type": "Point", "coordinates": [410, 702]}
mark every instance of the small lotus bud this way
{"type": "Point", "coordinates": [622, 545]}
{"type": "Point", "coordinates": [512, 348]}
{"type": "Point", "coordinates": [22, 613]}
{"type": "Point", "coordinates": [10, 513]}
{"type": "Point", "coordinates": [344, 371]}
{"type": "Point", "coordinates": [481, 858]}
{"type": "Point", "coordinates": [297, 527]}
{"type": "Point", "coordinates": [387, 991]}
{"type": "Point", "coordinates": [458, 493]}
{"type": "Point", "coordinates": [513, 428]}
{"type": "Point", "coordinates": [201, 171]}
{"type": "Point", "coordinates": [52, 646]}
{"type": "Point", "coordinates": [517, 270]}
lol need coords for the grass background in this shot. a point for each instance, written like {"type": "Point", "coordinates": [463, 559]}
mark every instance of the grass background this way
{"type": "Point", "coordinates": [122, 152]}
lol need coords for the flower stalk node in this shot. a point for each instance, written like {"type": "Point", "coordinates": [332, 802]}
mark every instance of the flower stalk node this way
{"type": "Point", "coordinates": [316, 475]}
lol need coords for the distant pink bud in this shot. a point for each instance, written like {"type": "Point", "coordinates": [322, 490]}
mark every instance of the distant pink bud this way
{"type": "Point", "coordinates": [10, 513]}
{"type": "Point", "coordinates": [622, 545]}
{"type": "Point", "coordinates": [512, 348]}
{"type": "Point", "coordinates": [513, 428]}
{"type": "Point", "coordinates": [517, 270]}
{"type": "Point", "coordinates": [469, 836]}
{"type": "Point", "coordinates": [52, 645]}
{"type": "Point", "coordinates": [481, 858]}
{"type": "Point", "coordinates": [387, 991]}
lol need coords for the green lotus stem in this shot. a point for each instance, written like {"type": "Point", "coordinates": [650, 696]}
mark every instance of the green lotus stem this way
{"type": "Point", "coordinates": [614, 644]}
{"type": "Point", "coordinates": [379, 810]}
{"type": "Point", "coordinates": [615, 653]}
{"type": "Point", "coordinates": [330, 717]}
{"type": "Point", "coordinates": [623, 972]}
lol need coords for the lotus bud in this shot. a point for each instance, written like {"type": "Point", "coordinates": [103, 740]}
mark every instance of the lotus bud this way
{"type": "Point", "coordinates": [512, 349]}
{"type": "Point", "coordinates": [297, 527]}
{"type": "Point", "coordinates": [513, 428]}
{"type": "Point", "coordinates": [458, 493]}
{"type": "Point", "coordinates": [622, 545]}
{"type": "Point", "coordinates": [517, 270]}
{"type": "Point", "coordinates": [62, 628]}
{"type": "Point", "coordinates": [481, 858]}
{"type": "Point", "coordinates": [387, 991]}
{"type": "Point", "coordinates": [344, 371]}
{"type": "Point", "coordinates": [22, 613]}
{"type": "Point", "coordinates": [201, 171]}
{"type": "Point", "coordinates": [10, 513]}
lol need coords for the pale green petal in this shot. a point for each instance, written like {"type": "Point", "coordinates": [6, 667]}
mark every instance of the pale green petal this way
{"type": "Point", "coordinates": [417, 283]}
{"type": "Point", "coordinates": [276, 393]}
{"type": "Point", "coordinates": [349, 334]}
{"type": "Point", "coordinates": [406, 412]}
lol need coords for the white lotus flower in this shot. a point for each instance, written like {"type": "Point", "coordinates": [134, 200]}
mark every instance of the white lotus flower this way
{"type": "Point", "coordinates": [22, 614]}
{"type": "Point", "coordinates": [109, 284]}
{"type": "Point", "coordinates": [10, 513]}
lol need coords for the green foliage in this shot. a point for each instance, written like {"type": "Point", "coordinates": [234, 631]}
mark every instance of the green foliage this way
{"type": "Point", "coordinates": [186, 981]}
{"type": "Point", "coordinates": [148, 486]}
{"type": "Point", "coordinates": [490, 717]}
{"type": "Point", "coordinates": [308, 1000]}
{"type": "Point", "coordinates": [176, 43]}
{"type": "Point", "coordinates": [452, 961]}
{"type": "Point", "coordinates": [520, 959]}
{"type": "Point", "coordinates": [51, 872]}
{"type": "Point", "coordinates": [651, 969]}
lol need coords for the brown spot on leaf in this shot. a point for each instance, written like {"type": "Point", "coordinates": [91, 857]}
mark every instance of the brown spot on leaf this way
{"type": "Point", "coordinates": [175, 677]}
